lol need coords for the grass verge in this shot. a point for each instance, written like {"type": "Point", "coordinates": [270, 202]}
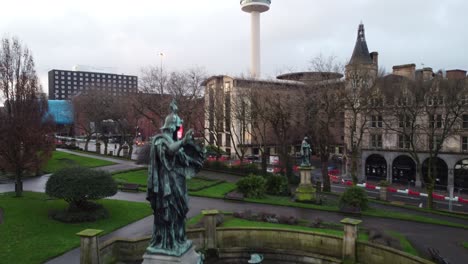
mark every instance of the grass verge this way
{"type": "Point", "coordinates": [404, 243]}
{"type": "Point", "coordinates": [465, 245]}
{"type": "Point", "coordinates": [60, 160]}
{"type": "Point", "coordinates": [425, 210]}
{"type": "Point", "coordinates": [27, 226]}
{"type": "Point", "coordinates": [140, 177]}
{"type": "Point", "coordinates": [220, 191]}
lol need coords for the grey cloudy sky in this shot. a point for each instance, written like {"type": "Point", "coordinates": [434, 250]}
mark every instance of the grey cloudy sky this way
{"type": "Point", "coordinates": [127, 35]}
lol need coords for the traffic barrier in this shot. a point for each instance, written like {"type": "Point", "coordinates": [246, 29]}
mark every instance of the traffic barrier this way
{"type": "Point", "coordinates": [413, 193]}
{"type": "Point", "coordinates": [438, 196]}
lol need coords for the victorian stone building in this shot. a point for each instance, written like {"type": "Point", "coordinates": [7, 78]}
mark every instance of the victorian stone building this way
{"type": "Point", "coordinates": [397, 134]}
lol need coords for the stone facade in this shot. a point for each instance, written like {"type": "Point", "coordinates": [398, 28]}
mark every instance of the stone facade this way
{"type": "Point", "coordinates": [384, 152]}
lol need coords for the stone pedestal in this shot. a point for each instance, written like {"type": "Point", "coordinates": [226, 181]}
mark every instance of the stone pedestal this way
{"type": "Point", "coordinates": [305, 175]}
{"type": "Point", "coordinates": [349, 238]}
{"type": "Point", "coordinates": [190, 257]}
{"type": "Point", "coordinates": [306, 191]}
{"type": "Point", "coordinates": [89, 249]}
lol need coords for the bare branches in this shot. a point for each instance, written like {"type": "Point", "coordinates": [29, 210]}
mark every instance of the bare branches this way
{"type": "Point", "coordinates": [25, 128]}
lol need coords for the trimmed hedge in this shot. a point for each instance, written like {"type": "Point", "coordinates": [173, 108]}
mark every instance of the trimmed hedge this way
{"type": "Point", "coordinates": [77, 185]}
{"type": "Point", "coordinates": [354, 197]}
{"type": "Point", "coordinates": [252, 186]}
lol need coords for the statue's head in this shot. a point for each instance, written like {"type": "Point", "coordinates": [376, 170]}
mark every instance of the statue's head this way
{"type": "Point", "coordinates": [170, 124]}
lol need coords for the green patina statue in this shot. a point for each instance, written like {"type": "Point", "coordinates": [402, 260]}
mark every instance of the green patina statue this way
{"type": "Point", "coordinates": [172, 162]}
{"type": "Point", "coordinates": [305, 153]}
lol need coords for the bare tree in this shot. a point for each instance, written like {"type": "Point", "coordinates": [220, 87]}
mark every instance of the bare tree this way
{"type": "Point", "coordinates": [324, 108]}
{"type": "Point", "coordinates": [158, 88]}
{"type": "Point", "coordinates": [356, 96]}
{"type": "Point", "coordinates": [25, 128]}
{"type": "Point", "coordinates": [443, 109]}
{"type": "Point", "coordinates": [283, 115]}
{"type": "Point", "coordinates": [239, 121]}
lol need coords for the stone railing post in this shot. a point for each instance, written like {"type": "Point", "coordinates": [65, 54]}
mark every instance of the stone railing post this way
{"type": "Point", "coordinates": [210, 228]}
{"type": "Point", "coordinates": [89, 249]}
{"type": "Point", "coordinates": [349, 238]}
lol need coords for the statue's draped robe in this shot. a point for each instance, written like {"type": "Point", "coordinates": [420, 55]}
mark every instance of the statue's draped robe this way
{"type": "Point", "coordinates": [167, 193]}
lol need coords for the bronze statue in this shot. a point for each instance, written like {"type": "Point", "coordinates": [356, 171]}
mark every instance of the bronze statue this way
{"type": "Point", "coordinates": [172, 162]}
{"type": "Point", "coordinates": [305, 153]}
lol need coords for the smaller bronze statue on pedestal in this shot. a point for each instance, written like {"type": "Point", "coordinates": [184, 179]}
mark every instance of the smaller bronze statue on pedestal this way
{"type": "Point", "coordinates": [305, 153]}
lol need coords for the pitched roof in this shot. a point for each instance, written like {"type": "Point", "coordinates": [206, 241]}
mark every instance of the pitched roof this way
{"type": "Point", "coordinates": [361, 53]}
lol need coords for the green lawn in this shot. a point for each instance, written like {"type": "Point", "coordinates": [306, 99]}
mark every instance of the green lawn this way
{"type": "Point", "coordinates": [217, 191]}
{"type": "Point", "coordinates": [286, 201]}
{"type": "Point", "coordinates": [137, 177]}
{"type": "Point", "coordinates": [465, 245]}
{"type": "Point", "coordinates": [62, 160]}
{"type": "Point", "coordinates": [140, 177]}
{"type": "Point", "coordinates": [405, 244]}
{"type": "Point", "coordinates": [28, 235]}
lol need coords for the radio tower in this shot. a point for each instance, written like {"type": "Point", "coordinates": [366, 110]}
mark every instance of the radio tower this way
{"type": "Point", "coordinates": [255, 7]}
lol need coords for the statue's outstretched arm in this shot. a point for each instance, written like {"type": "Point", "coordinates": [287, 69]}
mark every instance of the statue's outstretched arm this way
{"type": "Point", "coordinates": [174, 147]}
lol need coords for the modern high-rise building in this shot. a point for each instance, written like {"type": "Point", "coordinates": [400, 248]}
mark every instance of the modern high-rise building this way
{"type": "Point", "coordinates": [64, 84]}
{"type": "Point", "coordinates": [255, 7]}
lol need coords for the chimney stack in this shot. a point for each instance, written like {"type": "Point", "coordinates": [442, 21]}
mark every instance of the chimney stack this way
{"type": "Point", "coordinates": [406, 70]}
{"type": "Point", "coordinates": [456, 74]}
{"type": "Point", "coordinates": [375, 58]}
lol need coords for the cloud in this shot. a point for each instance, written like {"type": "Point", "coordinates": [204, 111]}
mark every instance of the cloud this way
{"type": "Point", "coordinates": [215, 34]}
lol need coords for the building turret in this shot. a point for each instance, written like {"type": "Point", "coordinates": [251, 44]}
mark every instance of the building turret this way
{"type": "Point", "coordinates": [362, 62]}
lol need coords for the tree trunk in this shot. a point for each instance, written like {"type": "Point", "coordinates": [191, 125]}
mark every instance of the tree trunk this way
{"type": "Point", "coordinates": [430, 199]}
{"type": "Point", "coordinates": [130, 150]}
{"type": "Point", "coordinates": [264, 162]}
{"type": "Point", "coordinates": [430, 183]}
{"type": "Point", "coordinates": [354, 167]}
{"type": "Point", "coordinates": [105, 147]}
{"type": "Point", "coordinates": [86, 143]}
{"type": "Point", "coordinates": [325, 178]}
{"type": "Point", "coordinates": [18, 183]}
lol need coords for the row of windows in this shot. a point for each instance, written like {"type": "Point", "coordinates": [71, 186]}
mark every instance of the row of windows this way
{"type": "Point", "coordinates": [67, 96]}
{"type": "Point", "coordinates": [406, 101]}
{"type": "Point", "coordinates": [404, 142]}
{"type": "Point", "coordinates": [103, 89]}
{"type": "Point", "coordinates": [68, 85]}
{"type": "Point", "coordinates": [435, 121]}
{"type": "Point", "coordinates": [109, 76]}
{"type": "Point", "coordinates": [57, 78]}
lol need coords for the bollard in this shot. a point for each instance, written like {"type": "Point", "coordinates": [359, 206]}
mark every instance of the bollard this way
{"type": "Point", "coordinates": [89, 249]}
{"type": "Point", "coordinates": [210, 228]}
{"type": "Point", "coordinates": [349, 238]}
